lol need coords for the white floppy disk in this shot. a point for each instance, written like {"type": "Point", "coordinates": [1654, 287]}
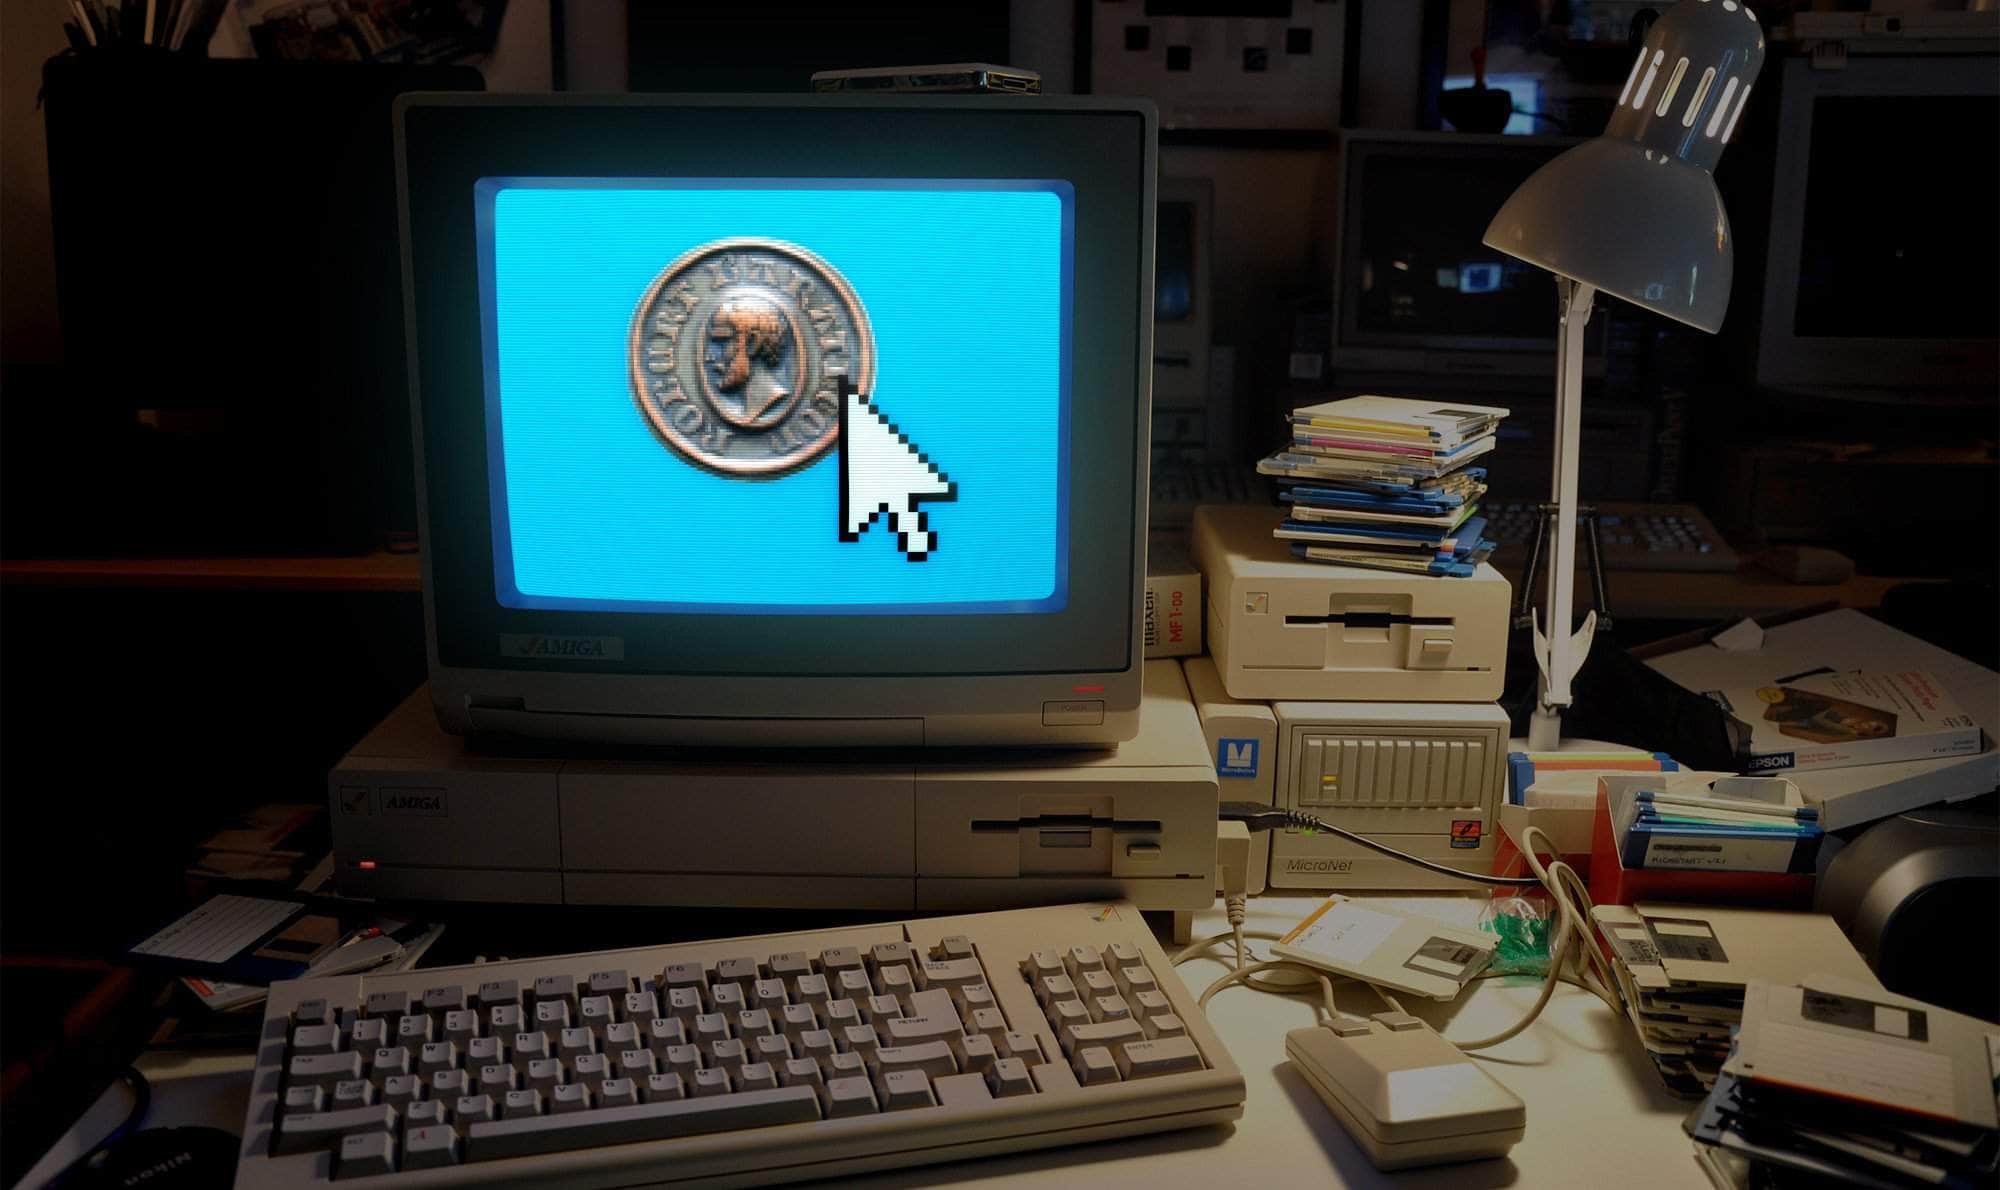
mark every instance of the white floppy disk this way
{"type": "Point", "coordinates": [1374, 943]}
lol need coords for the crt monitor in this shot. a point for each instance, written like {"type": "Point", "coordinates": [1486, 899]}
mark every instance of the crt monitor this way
{"type": "Point", "coordinates": [1879, 278]}
{"type": "Point", "coordinates": [1416, 293]}
{"type": "Point", "coordinates": [782, 421]}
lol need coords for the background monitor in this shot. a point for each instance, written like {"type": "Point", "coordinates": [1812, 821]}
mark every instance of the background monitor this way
{"type": "Point", "coordinates": [1416, 293]}
{"type": "Point", "coordinates": [1182, 319]}
{"type": "Point", "coordinates": [806, 420]}
{"type": "Point", "coordinates": [1880, 275]}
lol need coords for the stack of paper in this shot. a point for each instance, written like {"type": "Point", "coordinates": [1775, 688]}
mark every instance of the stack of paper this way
{"type": "Point", "coordinates": [1833, 1083]}
{"type": "Point", "coordinates": [1384, 482]}
{"type": "Point", "coordinates": [1682, 970]}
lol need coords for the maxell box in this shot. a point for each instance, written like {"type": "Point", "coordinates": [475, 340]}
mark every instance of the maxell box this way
{"type": "Point", "coordinates": [1243, 743]}
{"type": "Point", "coordinates": [1173, 600]}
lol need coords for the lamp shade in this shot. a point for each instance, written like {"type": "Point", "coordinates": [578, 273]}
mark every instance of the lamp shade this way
{"type": "Point", "coordinates": [1635, 212]}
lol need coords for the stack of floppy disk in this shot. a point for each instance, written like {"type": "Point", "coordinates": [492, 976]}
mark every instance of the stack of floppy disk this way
{"type": "Point", "coordinates": [1834, 1083]}
{"type": "Point", "coordinates": [1385, 483]}
{"type": "Point", "coordinates": [1682, 970]}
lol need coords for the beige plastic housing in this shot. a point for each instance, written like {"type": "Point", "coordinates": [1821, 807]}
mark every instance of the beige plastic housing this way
{"type": "Point", "coordinates": [421, 814]}
{"type": "Point", "coordinates": [1282, 627]}
{"type": "Point", "coordinates": [1427, 778]}
{"type": "Point", "coordinates": [1406, 1095]}
{"type": "Point", "coordinates": [1242, 742]}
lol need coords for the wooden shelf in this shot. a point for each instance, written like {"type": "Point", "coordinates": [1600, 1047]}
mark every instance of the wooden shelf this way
{"type": "Point", "coordinates": [361, 573]}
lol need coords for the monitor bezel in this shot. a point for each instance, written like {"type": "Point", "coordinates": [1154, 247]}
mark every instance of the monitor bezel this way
{"type": "Point", "coordinates": [1788, 360]}
{"type": "Point", "coordinates": [467, 628]}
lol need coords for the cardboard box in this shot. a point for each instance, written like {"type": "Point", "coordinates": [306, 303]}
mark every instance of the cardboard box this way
{"type": "Point", "coordinates": [1612, 883]}
{"type": "Point", "coordinates": [1243, 744]}
{"type": "Point", "coordinates": [1173, 600]}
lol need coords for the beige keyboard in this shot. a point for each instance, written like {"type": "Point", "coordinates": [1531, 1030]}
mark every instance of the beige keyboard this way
{"type": "Point", "coordinates": [750, 1061]}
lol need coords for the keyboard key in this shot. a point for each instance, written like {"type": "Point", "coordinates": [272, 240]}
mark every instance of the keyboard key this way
{"type": "Point", "coordinates": [847, 1097]}
{"type": "Point", "coordinates": [858, 1039]}
{"type": "Point", "coordinates": [484, 1051]}
{"type": "Point", "coordinates": [1094, 1065]}
{"type": "Point", "coordinates": [895, 981]}
{"type": "Point", "coordinates": [1164, 1025]}
{"type": "Point", "coordinates": [499, 991]}
{"type": "Point", "coordinates": [365, 1154]}
{"type": "Point", "coordinates": [1009, 1077]}
{"type": "Point", "coordinates": [900, 1090]}
{"type": "Point", "coordinates": [952, 946]}
{"type": "Point", "coordinates": [709, 1028]}
{"type": "Point", "coordinates": [556, 989]}
{"type": "Point", "coordinates": [788, 966]}
{"type": "Point", "coordinates": [1124, 955]}
{"type": "Point", "coordinates": [1146, 1004]}
{"type": "Point", "coordinates": [891, 954]}
{"type": "Point", "coordinates": [309, 1131]}
{"type": "Point", "coordinates": [622, 1035]}
{"type": "Point", "coordinates": [737, 971]}
{"type": "Point", "coordinates": [682, 1059]}
{"type": "Point", "coordinates": [728, 1053]}
{"type": "Point", "coordinates": [816, 1044]}
{"type": "Point", "coordinates": [569, 1097]}
{"type": "Point", "coordinates": [386, 1005]}
{"type": "Point", "coordinates": [473, 1109]}
{"type": "Point", "coordinates": [353, 1092]}
{"type": "Point", "coordinates": [575, 1041]}
{"type": "Point", "coordinates": [932, 1057]}
{"type": "Point", "coordinates": [1109, 1008]}
{"type": "Point", "coordinates": [316, 1011]}
{"type": "Point", "coordinates": [768, 995]}
{"type": "Point", "coordinates": [659, 1120]}
{"type": "Point", "coordinates": [987, 1021]}
{"type": "Point", "coordinates": [528, 1047]}
{"type": "Point", "coordinates": [387, 1061]}
{"type": "Point", "coordinates": [853, 984]}
{"type": "Point", "coordinates": [727, 998]}
{"type": "Point", "coordinates": [794, 1019]}
{"type": "Point", "coordinates": [638, 1006]}
{"type": "Point", "coordinates": [800, 1072]}
{"type": "Point", "coordinates": [1019, 1045]}
{"type": "Point", "coordinates": [422, 1112]}
{"type": "Point", "coordinates": [590, 1069]}
{"type": "Point", "coordinates": [637, 1064]}
{"type": "Point", "coordinates": [663, 1087]}
{"type": "Point", "coordinates": [504, 1020]}
{"type": "Point", "coordinates": [772, 1048]}
{"type": "Point", "coordinates": [304, 1098]}
{"type": "Point", "coordinates": [623, 1092]}
{"type": "Point", "coordinates": [974, 1051]}
{"type": "Point", "coordinates": [1079, 959]}
{"type": "Point", "coordinates": [447, 999]}
{"type": "Point", "coordinates": [450, 1084]}
{"type": "Point", "coordinates": [971, 998]}
{"type": "Point", "coordinates": [684, 1004]}
{"type": "Point", "coordinates": [552, 1016]}
{"type": "Point", "coordinates": [1144, 1059]}
{"type": "Point", "coordinates": [1095, 984]}
{"type": "Point", "coordinates": [461, 1025]}
{"type": "Point", "coordinates": [845, 1065]}
{"type": "Point", "coordinates": [432, 1146]}
{"type": "Point", "coordinates": [813, 989]}
{"type": "Point", "coordinates": [522, 1104]}
{"type": "Point", "coordinates": [838, 1014]}
{"type": "Point", "coordinates": [436, 1056]}
{"type": "Point", "coordinates": [662, 1032]}
{"type": "Point", "coordinates": [835, 959]}
{"type": "Point", "coordinates": [1064, 1014]}
{"type": "Point", "coordinates": [543, 1074]}
{"type": "Point", "coordinates": [711, 1082]}
{"type": "Point", "coordinates": [1042, 964]}
{"type": "Point", "coordinates": [402, 1089]}
{"type": "Point", "coordinates": [909, 1030]}
{"type": "Point", "coordinates": [756, 1076]}
{"type": "Point", "coordinates": [1077, 1037]}
{"type": "Point", "coordinates": [368, 1034]}
{"type": "Point", "coordinates": [1053, 989]}
{"type": "Point", "coordinates": [683, 975]}
{"type": "Point", "coordinates": [315, 1039]}
{"type": "Point", "coordinates": [614, 983]}
{"type": "Point", "coordinates": [498, 1079]}
{"type": "Point", "coordinates": [962, 1090]}
{"type": "Point", "coordinates": [754, 1022]}
{"type": "Point", "coordinates": [880, 1010]}
{"type": "Point", "coordinates": [594, 1011]}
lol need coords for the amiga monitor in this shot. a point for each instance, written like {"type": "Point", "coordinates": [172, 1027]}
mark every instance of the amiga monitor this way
{"type": "Point", "coordinates": [761, 420]}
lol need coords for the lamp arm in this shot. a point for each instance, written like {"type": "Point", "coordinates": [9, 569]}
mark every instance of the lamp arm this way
{"type": "Point", "coordinates": [1561, 653]}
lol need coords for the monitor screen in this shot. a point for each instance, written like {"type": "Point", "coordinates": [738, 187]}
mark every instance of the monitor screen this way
{"type": "Point", "coordinates": [667, 425]}
{"type": "Point", "coordinates": [1420, 270]}
{"type": "Point", "coordinates": [1924, 267]}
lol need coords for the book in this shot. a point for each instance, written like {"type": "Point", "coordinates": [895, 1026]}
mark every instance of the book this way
{"type": "Point", "coordinates": [1836, 720]}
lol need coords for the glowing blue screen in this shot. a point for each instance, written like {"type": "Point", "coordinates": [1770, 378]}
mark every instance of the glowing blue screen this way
{"type": "Point", "coordinates": [610, 379]}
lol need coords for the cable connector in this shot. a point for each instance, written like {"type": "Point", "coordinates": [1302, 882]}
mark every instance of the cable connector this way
{"type": "Point", "coordinates": [1256, 816]}
{"type": "Point", "coordinates": [1232, 862]}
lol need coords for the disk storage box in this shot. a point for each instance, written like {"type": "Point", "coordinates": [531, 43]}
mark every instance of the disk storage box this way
{"type": "Point", "coordinates": [1282, 628]}
{"type": "Point", "coordinates": [422, 815]}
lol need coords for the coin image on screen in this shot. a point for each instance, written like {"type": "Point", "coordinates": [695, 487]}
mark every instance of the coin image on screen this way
{"type": "Point", "coordinates": [737, 349]}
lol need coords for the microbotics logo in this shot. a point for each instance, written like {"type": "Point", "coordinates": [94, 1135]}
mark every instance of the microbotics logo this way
{"type": "Point", "coordinates": [562, 648]}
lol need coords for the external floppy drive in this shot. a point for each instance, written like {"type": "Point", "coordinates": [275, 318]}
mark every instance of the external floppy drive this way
{"type": "Point", "coordinates": [1282, 628]}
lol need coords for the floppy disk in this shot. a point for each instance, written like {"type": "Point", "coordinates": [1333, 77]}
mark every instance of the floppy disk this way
{"type": "Point", "coordinates": [1377, 944]}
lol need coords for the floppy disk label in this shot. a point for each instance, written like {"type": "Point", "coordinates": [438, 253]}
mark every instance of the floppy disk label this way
{"type": "Point", "coordinates": [1852, 1012]}
{"type": "Point", "coordinates": [1686, 939]}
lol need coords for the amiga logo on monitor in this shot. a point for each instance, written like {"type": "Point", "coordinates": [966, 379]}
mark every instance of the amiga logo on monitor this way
{"type": "Point", "coordinates": [851, 455]}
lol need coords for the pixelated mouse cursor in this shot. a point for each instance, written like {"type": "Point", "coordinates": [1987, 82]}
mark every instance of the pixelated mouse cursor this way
{"type": "Point", "coordinates": [882, 473]}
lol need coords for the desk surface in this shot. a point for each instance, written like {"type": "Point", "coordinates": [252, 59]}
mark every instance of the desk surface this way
{"type": "Point", "coordinates": [1597, 1113]}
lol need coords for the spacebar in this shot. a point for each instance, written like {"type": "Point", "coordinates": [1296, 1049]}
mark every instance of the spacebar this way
{"type": "Point", "coordinates": [495, 1139]}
